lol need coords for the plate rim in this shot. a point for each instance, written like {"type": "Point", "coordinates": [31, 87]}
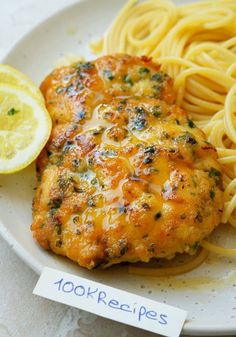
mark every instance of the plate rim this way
{"type": "Point", "coordinates": [31, 261]}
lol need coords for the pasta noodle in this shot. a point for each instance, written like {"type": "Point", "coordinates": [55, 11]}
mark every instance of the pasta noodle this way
{"type": "Point", "coordinates": [171, 271]}
{"type": "Point", "coordinates": [196, 45]}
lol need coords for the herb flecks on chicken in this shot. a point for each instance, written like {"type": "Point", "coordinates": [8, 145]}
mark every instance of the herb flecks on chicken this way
{"type": "Point", "coordinates": [126, 175]}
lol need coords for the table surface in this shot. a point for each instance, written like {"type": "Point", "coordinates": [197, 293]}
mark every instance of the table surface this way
{"type": "Point", "coordinates": [21, 313]}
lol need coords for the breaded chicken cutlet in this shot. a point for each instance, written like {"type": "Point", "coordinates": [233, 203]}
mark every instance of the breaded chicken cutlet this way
{"type": "Point", "coordinates": [126, 176]}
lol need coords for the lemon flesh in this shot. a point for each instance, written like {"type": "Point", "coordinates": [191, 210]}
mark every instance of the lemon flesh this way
{"type": "Point", "coordinates": [25, 127]}
{"type": "Point", "coordinates": [10, 75]}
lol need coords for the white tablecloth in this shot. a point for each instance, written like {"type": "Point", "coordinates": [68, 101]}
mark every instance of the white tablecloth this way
{"type": "Point", "coordinates": [21, 313]}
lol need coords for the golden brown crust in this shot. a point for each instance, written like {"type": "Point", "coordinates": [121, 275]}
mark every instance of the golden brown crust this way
{"type": "Point", "coordinates": [125, 176]}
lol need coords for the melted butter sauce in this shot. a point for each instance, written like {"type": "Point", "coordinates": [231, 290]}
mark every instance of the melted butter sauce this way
{"type": "Point", "coordinates": [97, 119]}
{"type": "Point", "coordinates": [194, 281]}
{"type": "Point", "coordinates": [113, 197]}
{"type": "Point", "coordinates": [216, 273]}
{"type": "Point", "coordinates": [131, 181]}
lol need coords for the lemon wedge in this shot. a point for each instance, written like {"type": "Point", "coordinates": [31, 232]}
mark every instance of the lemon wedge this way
{"type": "Point", "coordinates": [25, 127]}
{"type": "Point", "coordinates": [10, 75]}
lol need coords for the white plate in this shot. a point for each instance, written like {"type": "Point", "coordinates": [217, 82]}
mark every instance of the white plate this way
{"type": "Point", "coordinates": [208, 293]}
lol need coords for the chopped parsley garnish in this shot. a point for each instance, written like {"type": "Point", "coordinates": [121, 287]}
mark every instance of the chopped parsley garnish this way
{"type": "Point", "coordinates": [144, 70]}
{"type": "Point", "coordinates": [76, 162]}
{"type": "Point", "coordinates": [58, 228]}
{"type": "Point", "coordinates": [196, 245]}
{"type": "Point", "coordinates": [123, 101]}
{"type": "Point", "coordinates": [71, 91]}
{"type": "Point", "coordinates": [188, 138]}
{"type": "Point", "coordinates": [58, 243]}
{"type": "Point", "coordinates": [158, 77]}
{"type": "Point", "coordinates": [145, 206]}
{"type": "Point", "coordinates": [90, 161]}
{"type": "Point", "coordinates": [157, 87]}
{"type": "Point", "coordinates": [147, 160]}
{"type": "Point", "coordinates": [80, 115]}
{"type": "Point", "coordinates": [151, 247]}
{"type": "Point", "coordinates": [90, 202]}
{"type": "Point", "coordinates": [84, 66]}
{"type": "Point", "coordinates": [120, 107]}
{"type": "Point", "coordinates": [215, 174]}
{"type": "Point", "coordinates": [165, 135]}
{"type": "Point", "coordinates": [127, 79]}
{"type": "Point", "coordinates": [149, 152]}
{"type": "Point", "coordinates": [139, 120]}
{"type": "Point", "coordinates": [139, 110]}
{"type": "Point", "coordinates": [80, 86]}
{"type": "Point", "coordinates": [191, 124]}
{"type": "Point", "coordinates": [156, 110]}
{"type": "Point", "coordinates": [12, 111]}
{"type": "Point", "coordinates": [150, 149]}
{"type": "Point", "coordinates": [108, 74]}
{"type": "Point", "coordinates": [94, 181]}
{"type": "Point", "coordinates": [54, 204]}
{"type": "Point", "coordinates": [68, 146]}
{"type": "Point", "coordinates": [123, 250]}
{"type": "Point", "coordinates": [157, 216]}
{"type": "Point", "coordinates": [49, 153]}
{"type": "Point", "coordinates": [60, 90]}
{"type": "Point", "coordinates": [212, 194]}
{"type": "Point", "coordinates": [199, 217]}
{"type": "Point", "coordinates": [123, 246]}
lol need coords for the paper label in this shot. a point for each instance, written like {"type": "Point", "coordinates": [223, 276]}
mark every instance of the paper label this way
{"type": "Point", "coordinates": [111, 303]}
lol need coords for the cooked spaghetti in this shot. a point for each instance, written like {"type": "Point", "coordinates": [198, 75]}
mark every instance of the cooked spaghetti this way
{"type": "Point", "coordinates": [196, 45]}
